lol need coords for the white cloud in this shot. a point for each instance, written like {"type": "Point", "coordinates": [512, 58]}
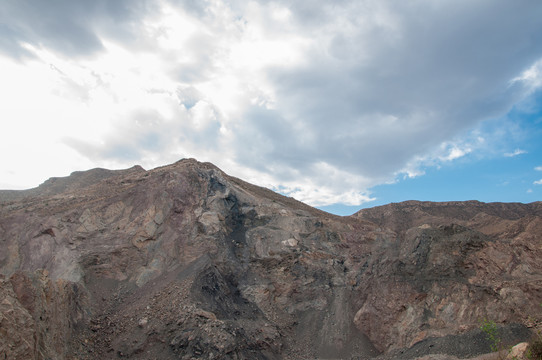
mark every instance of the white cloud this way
{"type": "Point", "coordinates": [515, 153]}
{"type": "Point", "coordinates": [322, 192]}
{"type": "Point", "coordinates": [322, 100]}
{"type": "Point", "coordinates": [538, 168]}
{"type": "Point", "coordinates": [456, 153]}
{"type": "Point", "coordinates": [538, 182]}
{"type": "Point", "coordinates": [446, 153]}
{"type": "Point", "coordinates": [532, 77]}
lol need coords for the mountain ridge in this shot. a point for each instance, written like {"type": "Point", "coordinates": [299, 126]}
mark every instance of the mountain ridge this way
{"type": "Point", "coordinates": [92, 176]}
{"type": "Point", "coordinates": [186, 261]}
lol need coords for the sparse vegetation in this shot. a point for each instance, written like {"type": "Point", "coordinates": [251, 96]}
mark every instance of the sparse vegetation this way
{"type": "Point", "coordinates": [534, 351]}
{"type": "Point", "coordinates": [490, 329]}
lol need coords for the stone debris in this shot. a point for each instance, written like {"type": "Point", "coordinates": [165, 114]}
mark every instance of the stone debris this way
{"type": "Point", "coordinates": [184, 262]}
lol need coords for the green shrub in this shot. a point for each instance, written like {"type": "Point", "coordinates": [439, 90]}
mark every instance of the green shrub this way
{"type": "Point", "coordinates": [490, 329]}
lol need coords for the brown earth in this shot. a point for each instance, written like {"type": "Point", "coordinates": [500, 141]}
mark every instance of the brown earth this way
{"type": "Point", "coordinates": [184, 261]}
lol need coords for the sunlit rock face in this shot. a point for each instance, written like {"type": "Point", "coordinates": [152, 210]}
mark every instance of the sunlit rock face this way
{"type": "Point", "coordinates": [184, 261]}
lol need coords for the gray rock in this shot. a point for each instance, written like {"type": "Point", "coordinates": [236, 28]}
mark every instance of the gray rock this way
{"type": "Point", "coordinates": [184, 261]}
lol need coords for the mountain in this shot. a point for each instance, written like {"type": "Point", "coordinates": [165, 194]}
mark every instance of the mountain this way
{"type": "Point", "coordinates": [184, 261]}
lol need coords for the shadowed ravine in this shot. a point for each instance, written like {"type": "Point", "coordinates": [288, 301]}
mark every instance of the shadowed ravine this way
{"type": "Point", "coordinates": [184, 261]}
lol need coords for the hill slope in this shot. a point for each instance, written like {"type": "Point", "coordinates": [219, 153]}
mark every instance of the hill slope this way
{"type": "Point", "coordinates": [185, 261]}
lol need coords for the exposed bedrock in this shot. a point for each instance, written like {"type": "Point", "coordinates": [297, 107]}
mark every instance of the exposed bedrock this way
{"type": "Point", "coordinates": [184, 261]}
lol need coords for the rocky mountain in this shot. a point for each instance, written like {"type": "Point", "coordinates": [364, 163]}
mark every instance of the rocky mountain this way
{"type": "Point", "coordinates": [184, 261]}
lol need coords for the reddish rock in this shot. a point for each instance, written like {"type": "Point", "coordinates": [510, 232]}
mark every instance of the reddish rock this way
{"type": "Point", "coordinates": [184, 261]}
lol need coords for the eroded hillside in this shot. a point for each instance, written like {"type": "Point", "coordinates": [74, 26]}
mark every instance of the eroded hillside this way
{"type": "Point", "coordinates": [184, 261]}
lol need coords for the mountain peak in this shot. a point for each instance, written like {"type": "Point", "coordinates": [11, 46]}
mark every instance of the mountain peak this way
{"type": "Point", "coordinates": [185, 261]}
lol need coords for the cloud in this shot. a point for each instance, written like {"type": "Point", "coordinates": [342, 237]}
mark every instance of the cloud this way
{"type": "Point", "coordinates": [320, 100]}
{"type": "Point", "coordinates": [170, 131]}
{"type": "Point", "coordinates": [455, 153]}
{"type": "Point", "coordinates": [532, 77]}
{"type": "Point", "coordinates": [356, 108]}
{"type": "Point", "coordinates": [538, 168]}
{"type": "Point", "coordinates": [538, 182]}
{"type": "Point", "coordinates": [515, 153]}
{"type": "Point", "coordinates": [73, 28]}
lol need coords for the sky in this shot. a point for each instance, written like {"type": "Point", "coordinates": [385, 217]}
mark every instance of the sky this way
{"type": "Point", "coordinates": [342, 104]}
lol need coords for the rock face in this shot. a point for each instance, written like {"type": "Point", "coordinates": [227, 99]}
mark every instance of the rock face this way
{"type": "Point", "coordinates": [184, 261]}
{"type": "Point", "coordinates": [458, 263]}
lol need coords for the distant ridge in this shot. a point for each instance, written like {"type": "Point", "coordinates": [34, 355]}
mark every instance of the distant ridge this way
{"type": "Point", "coordinates": [75, 181]}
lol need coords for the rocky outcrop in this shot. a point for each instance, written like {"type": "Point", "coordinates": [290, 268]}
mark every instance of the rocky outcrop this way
{"type": "Point", "coordinates": [184, 261]}
{"type": "Point", "coordinates": [458, 263]}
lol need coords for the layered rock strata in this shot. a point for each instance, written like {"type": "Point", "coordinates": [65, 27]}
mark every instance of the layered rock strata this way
{"type": "Point", "coordinates": [184, 261]}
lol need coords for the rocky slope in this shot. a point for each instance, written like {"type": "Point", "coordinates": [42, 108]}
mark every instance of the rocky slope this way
{"type": "Point", "coordinates": [184, 261]}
